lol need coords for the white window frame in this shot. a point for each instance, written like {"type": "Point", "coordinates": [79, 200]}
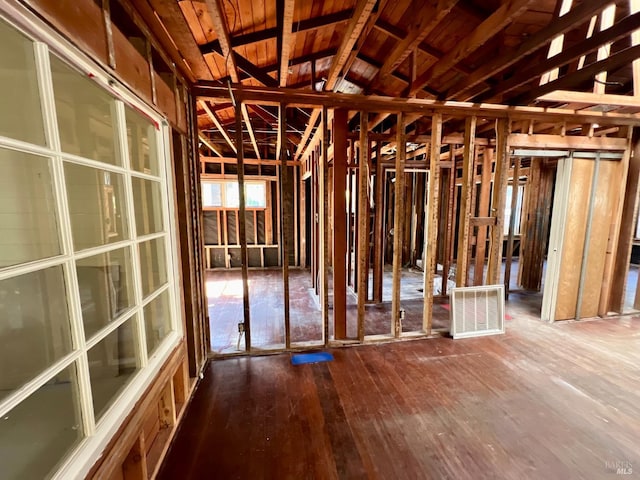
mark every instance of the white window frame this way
{"type": "Point", "coordinates": [223, 193]}
{"type": "Point", "coordinates": [97, 434]}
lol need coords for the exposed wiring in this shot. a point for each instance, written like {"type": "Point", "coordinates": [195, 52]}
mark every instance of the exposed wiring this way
{"type": "Point", "coordinates": [609, 84]}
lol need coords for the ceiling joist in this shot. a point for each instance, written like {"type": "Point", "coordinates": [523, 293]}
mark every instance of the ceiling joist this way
{"type": "Point", "coordinates": [220, 25]}
{"type": "Point", "coordinates": [285, 21]}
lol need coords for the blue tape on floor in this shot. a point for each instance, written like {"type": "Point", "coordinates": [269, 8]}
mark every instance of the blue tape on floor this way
{"type": "Point", "coordinates": [302, 358]}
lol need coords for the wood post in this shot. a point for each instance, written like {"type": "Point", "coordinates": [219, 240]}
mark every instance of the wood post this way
{"type": "Point", "coordinates": [483, 211]}
{"type": "Point", "coordinates": [363, 221]}
{"type": "Point", "coordinates": [340, 223]}
{"type": "Point", "coordinates": [378, 224]}
{"type": "Point", "coordinates": [497, 201]}
{"type": "Point", "coordinates": [627, 233]}
{"type": "Point", "coordinates": [512, 225]}
{"type": "Point", "coordinates": [285, 214]}
{"type": "Point", "coordinates": [324, 238]}
{"type": "Point", "coordinates": [468, 183]}
{"type": "Point", "coordinates": [242, 231]}
{"type": "Point", "coordinates": [398, 225]}
{"type": "Point", "coordinates": [431, 236]}
{"type": "Point", "coordinates": [304, 234]}
{"type": "Point", "coordinates": [449, 182]}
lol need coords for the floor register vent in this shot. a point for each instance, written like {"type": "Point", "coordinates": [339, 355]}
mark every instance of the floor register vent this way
{"type": "Point", "coordinates": [477, 311]}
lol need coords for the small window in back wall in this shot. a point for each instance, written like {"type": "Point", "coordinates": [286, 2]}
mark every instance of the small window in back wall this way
{"type": "Point", "coordinates": [211, 194]}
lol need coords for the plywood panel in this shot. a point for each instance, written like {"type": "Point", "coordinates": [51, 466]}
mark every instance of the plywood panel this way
{"type": "Point", "coordinates": [607, 190]}
{"type": "Point", "coordinates": [574, 232]}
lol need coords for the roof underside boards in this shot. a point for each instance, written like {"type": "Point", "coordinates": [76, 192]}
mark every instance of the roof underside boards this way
{"type": "Point", "coordinates": [476, 51]}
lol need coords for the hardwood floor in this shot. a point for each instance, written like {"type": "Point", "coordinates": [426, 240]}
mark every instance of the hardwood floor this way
{"type": "Point", "coordinates": [224, 292]}
{"type": "Point", "coordinates": [542, 401]}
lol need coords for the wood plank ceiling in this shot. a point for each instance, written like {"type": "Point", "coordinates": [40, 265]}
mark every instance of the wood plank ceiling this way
{"type": "Point", "coordinates": [468, 50]}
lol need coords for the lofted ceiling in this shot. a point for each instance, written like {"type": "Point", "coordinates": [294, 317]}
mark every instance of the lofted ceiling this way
{"type": "Point", "coordinates": [466, 50]}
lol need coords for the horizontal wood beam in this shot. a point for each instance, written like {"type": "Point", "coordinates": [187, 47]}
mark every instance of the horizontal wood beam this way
{"type": "Point", "coordinates": [251, 69]}
{"type": "Point", "coordinates": [248, 161]}
{"type": "Point", "coordinates": [477, 221]}
{"type": "Point", "coordinates": [601, 99]}
{"type": "Point", "coordinates": [301, 26]}
{"type": "Point", "coordinates": [542, 141]}
{"type": "Point", "coordinates": [420, 107]}
{"type": "Point", "coordinates": [453, 139]}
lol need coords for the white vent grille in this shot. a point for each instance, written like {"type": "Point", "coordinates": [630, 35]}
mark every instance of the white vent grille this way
{"type": "Point", "coordinates": [477, 311]}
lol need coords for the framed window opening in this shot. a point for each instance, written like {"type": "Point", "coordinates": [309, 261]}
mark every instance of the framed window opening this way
{"type": "Point", "coordinates": [224, 194]}
{"type": "Point", "coordinates": [100, 264]}
{"type": "Point", "coordinates": [518, 211]}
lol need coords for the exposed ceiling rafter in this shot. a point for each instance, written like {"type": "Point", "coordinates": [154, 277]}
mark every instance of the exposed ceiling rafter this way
{"type": "Point", "coordinates": [575, 17]}
{"type": "Point", "coordinates": [269, 33]}
{"type": "Point", "coordinates": [217, 123]}
{"type": "Point", "coordinates": [220, 25]}
{"type": "Point", "coordinates": [481, 35]}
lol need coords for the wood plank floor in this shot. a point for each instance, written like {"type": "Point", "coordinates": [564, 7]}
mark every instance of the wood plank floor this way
{"type": "Point", "coordinates": [542, 401]}
{"type": "Point", "coordinates": [224, 293]}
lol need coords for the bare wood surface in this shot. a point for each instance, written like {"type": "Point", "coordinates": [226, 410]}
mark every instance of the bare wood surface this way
{"type": "Point", "coordinates": [497, 202]}
{"type": "Point", "coordinates": [243, 233]}
{"type": "Point", "coordinates": [431, 239]}
{"type": "Point", "coordinates": [374, 103]}
{"type": "Point", "coordinates": [468, 174]}
{"type": "Point", "coordinates": [363, 222]}
{"type": "Point", "coordinates": [398, 228]}
{"type": "Point", "coordinates": [339, 224]}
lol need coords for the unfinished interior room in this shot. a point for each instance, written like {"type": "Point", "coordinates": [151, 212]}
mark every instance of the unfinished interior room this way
{"type": "Point", "coordinates": [318, 239]}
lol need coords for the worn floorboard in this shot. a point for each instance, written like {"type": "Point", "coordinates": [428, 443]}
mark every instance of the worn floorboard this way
{"type": "Point", "coordinates": [542, 401]}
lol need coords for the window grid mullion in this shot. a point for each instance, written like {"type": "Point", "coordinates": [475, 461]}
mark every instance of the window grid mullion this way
{"type": "Point", "coordinates": [71, 285]}
{"type": "Point", "coordinates": [131, 223]}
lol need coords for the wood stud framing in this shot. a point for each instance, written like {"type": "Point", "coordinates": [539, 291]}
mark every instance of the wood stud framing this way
{"type": "Point", "coordinates": [498, 201]}
{"type": "Point", "coordinates": [286, 209]}
{"type": "Point", "coordinates": [242, 233]}
{"type": "Point", "coordinates": [339, 224]}
{"type": "Point", "coordinates": [468, 183]}
{"type": "Point", "coordinates": [398, 228]}
{"type": "Point", "coordinates": [431, 235]}
{"type": "Point", "coordinates": [363, 222]}
{"type": "Point", "coordinates": [324, 224]}
{"type": "Point", "coordinates": [480, 212]}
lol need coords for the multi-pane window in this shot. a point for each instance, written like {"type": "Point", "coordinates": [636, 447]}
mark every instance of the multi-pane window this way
{"type": "Point", "coordinates": [226, 194]}
{"type": "Point", "coordinates": [87, 297]}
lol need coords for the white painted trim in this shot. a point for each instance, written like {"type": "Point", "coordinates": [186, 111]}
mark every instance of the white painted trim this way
{"type": "Point", "coordinates": [556, 239]}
